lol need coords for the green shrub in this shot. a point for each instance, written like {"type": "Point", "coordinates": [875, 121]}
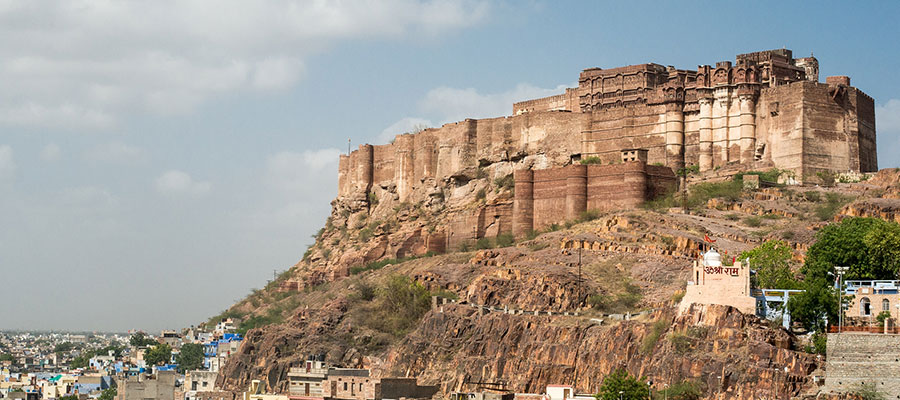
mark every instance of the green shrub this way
{"type": "Point", "coordinates": [398, 305]}
{"type": "Point", "coordinates": [826, 178]}
{"type": "Point", "coordinates": [376, 265]}
{"type": "Point", "coordinates": [684, 390]}
{"type": "Point", "coordinates": [505, 182]}
{"type": "Point", "coordinates": [652, 338]}
{"type": "Point", "coordinates": [481, 194]}
{"type": "Point", "coordinates": [588, 215]}
{"type": "Point", "coordinates": [483, 243]}
{"type": "Point", "coordinates": [883, 316]}
{"type": "Point", "coordinates": [812, 196]}
{"type": "Point", "coordinates": [817, 344]}
{"type": "Point", "coordinates": [868, 391]}
{"type": "Point", "coordinates": [597, 301]}
{"type": "Point", "coordinates": [538, 246]}
{"type": "Point", "coordinates": [753, 221]}
{"type": "Point", "coordinates": [373, 199]}
{"type": "Point", "coordinates": [680, 343]}
{"type": "Point", "coordinates": [591, 160]}
{"type": "Point", "coordinates": [771, 216]}
{"type": "Point", "coordinates": [833, 203]}
{"type": "Point", "coordinates": [505, 240]}
{"type": "Point", "coordinates": [732, 217]}
{"type": "Point", "coordinates": [480, 173]}
{"type": "Point", "coordinates": [365, 234]}
{"type": "Point", "coordinates": [771, 176]}
{"type": "Point", "coordinates": [464, 247]}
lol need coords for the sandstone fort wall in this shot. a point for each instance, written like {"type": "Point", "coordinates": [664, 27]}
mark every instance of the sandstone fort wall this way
{"type": "Point", "coordinates": [765, 110]}
{"type": "Point", "coordinates": [860, 358]}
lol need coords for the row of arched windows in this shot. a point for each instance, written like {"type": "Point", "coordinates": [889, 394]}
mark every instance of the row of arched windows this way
{"type": "Point", "coordinates": [865, 306]}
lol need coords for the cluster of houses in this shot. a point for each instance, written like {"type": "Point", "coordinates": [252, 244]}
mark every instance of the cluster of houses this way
{"type": "Point", "coordinates": [32, 370]}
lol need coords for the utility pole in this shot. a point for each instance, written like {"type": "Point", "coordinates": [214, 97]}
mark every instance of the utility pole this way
{"type": "Point", "coordinates": [840, 271]}
{"type": "Point", "coordinates": [348, 146]}
{"type": "Point", "coordinates": [274, 274]}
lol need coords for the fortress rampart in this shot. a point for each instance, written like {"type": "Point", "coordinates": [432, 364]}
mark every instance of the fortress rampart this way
{"type": "Point", "coordinates": [549, 196]}
{"type": "Point", "coordinates": [765, 110]}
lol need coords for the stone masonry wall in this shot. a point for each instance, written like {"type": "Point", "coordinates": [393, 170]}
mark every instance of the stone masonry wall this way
{"type": "Point", "coordinates": [766, 110]}
{"type": "Point", "coordinates": [857, 358]}
{"type": "Point", "coordinates": [554, 195]}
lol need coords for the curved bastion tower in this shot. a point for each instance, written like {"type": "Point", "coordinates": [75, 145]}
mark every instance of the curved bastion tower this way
{"type": "Point", "coordinates": [636, 125]}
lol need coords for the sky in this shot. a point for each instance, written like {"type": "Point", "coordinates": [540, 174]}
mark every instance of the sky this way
{"type": "Point", "coordinates": [160, 159]}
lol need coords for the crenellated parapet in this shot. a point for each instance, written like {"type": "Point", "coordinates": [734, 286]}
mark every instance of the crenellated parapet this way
{"type": "Point", "coordinates": [754, 112]}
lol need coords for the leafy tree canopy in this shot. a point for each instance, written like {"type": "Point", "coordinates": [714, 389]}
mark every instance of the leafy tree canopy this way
{"type": "Point", "coordinates": [621, 385]}
{"type": "Point", "coordinates": [869, 246]}
{"type": "Point", "coordinates": [772, 261]}
{"type": "Point", "coordinates": [158, 355]}
{"type": "Point", "coordinates": [190, 357]}
{"type": "Point", "coordinates": [684, 390]}
{"type": "Point", "coordinates": [108, 394]}
{"type": "Point", "coordinates": [812, 307]}
{"type": "Point", "coordinates": [140, 339]}
{"type": "Point", "coordinates": [63, 347]}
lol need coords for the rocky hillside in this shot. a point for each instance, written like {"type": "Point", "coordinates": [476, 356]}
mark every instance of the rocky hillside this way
{"type": "Point", "coordinates": [634, 261]}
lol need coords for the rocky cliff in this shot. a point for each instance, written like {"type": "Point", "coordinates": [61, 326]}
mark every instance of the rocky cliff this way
{"type": "Point", "coordinates": [616, 262]}
{"type": "Point", "coordinates": [731, 354]}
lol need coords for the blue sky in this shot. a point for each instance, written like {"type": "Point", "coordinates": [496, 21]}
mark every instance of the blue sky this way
{"type": "Point", "coordinates": [158, 160]}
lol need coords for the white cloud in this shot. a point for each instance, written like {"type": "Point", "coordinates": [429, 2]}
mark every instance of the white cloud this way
{"type": "Point", "coordinates": [66, 116]}
{"type": "Point", "coordinates": [50, 152]}
{"type": "Point", "coordinates": [454, 104]}
{"type": "Point", "coordinates": [116, 153]}
{"type": "Point", "coordinates": [88, 196]}
{"type": "Point", "coordinates": [292, 171]}
{"type": "Point", "coordinates": [81, 64]}
{"type": "Point", "coordinates": [298, 187]}
{"type": "Point", "coordinates": [7, 162]}
{"type": "Point", "coordinates": [174, 182]}
{"type": "Point", "coordinates": [887, 128]}
{"type": "Point", "coordinates": [408, 124]}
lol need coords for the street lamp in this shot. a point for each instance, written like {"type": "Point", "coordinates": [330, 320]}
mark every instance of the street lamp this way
{"type": "Point", "coordinates": [666, 386]}
{"type": "Point", "coordinates": [620, 394]}
{"type": "Point", "coordinates": [840, 271]}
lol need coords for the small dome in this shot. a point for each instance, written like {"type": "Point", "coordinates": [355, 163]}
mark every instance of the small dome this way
{"type": "Point", "coordinates": [712, 258]}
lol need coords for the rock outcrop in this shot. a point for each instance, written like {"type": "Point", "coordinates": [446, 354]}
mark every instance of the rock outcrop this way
{"type": "Point", "coordinates": [733, 355]}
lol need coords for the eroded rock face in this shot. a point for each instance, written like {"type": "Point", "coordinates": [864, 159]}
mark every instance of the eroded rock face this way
{"type": "Point", "coordinates": [886, 209]}
{"type": "Point", "coordinates": [529, 352]}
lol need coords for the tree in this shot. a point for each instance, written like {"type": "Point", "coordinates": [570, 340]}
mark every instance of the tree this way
{"type": "Point", "coordinates": [81, 361]}
{"type": "Point", "coordinates": [190, 357]}
{"type": "Point", "coordinates": [811, 307]}
{"type": "Point", "coordinates": [684, 390]}
{"type": "Point", "coordinates": [867, 245]}
{"type": "Point", "coordinates": [7, 357]}
{"type": "Point", "coordinates": [63, 347]}
{"type": "Point", "coordinates": [69, 397]}
{"type": "Point", "coordinates": [158, 355]}
{"type": "Point", "coordinates": [140, 339]}
{"type": "Point", "coordinates": [772, 262]}
{"type": "Point", "coordinates": [108, 394]}
{"type": "Point", "coordinates": [620, 380]}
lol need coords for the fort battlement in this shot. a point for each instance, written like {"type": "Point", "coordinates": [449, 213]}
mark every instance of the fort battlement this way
{"type": "Point", "coordinates": [764, 110]}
